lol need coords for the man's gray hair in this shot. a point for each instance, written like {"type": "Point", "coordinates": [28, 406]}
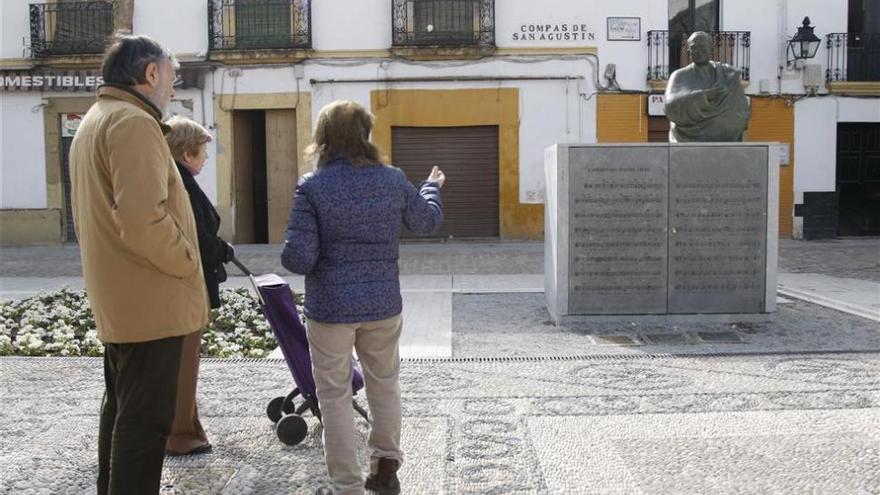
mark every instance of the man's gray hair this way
{"type": "Point", "coordinates": [126, 61]}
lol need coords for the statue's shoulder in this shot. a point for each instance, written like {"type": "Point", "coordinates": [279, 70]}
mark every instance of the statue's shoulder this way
{"type": "Point", "coordinates": [680, 79]}
{"type": "Point", "coordinates": [725, 69]}
{"type": "Point", "coordinates": [682, 72]}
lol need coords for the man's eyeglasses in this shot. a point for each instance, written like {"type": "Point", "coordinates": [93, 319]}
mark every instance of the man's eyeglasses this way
{"type": "Point", "coordinates": [178, 81]}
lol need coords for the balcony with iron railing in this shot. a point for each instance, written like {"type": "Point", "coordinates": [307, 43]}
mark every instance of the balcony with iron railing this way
{"type": "Point", "coordinates": [668, 52]}
{"type": "Point", "coordinates": [70, 28]}
{"type": "Point", "coordinates": [439, 27]}
{"type": "Point", "coordinates": [853, 63]}
{"type": "Point", "coordinates": [259, 25]}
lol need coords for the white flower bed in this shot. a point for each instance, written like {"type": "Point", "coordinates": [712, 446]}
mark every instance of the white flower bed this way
{"type": "Point", "coordinates": [61, 323]}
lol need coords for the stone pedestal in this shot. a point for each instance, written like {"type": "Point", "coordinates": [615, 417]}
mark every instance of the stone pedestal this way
{"type": "Point", "coordinates": [677, 231]}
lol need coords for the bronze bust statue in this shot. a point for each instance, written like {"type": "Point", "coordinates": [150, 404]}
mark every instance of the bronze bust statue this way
{"type": "Point", "coordinates": [705, 101]}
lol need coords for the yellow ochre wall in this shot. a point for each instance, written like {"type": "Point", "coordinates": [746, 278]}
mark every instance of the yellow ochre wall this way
{"type": "Point", "coordinates": [773, 121]}
{"type": "Point", "coordinates": [466, 107]}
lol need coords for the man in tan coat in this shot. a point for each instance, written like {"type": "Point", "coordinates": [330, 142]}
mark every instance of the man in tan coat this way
{"type": "Point", "coordinates": [140, 259]}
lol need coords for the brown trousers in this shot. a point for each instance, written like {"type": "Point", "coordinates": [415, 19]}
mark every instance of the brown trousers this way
{"type": "Point", "coordinates": [136, 414]}
{"type": "Point", "coordinates": [187, 432]}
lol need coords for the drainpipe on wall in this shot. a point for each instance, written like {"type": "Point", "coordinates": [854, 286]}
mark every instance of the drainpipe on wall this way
{"type": "Point", "coordinates": [782, 44]}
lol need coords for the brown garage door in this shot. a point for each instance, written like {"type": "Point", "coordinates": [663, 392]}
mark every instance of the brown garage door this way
{"type": "Point", "coordinates": [469, 157]}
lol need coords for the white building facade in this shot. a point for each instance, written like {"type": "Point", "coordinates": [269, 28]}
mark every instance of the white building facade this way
{"type": "Point", "coordinates": [478, 87]}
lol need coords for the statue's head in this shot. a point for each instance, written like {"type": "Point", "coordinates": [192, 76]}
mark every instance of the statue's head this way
{"type": "Point", "coordinates": [700, 47]}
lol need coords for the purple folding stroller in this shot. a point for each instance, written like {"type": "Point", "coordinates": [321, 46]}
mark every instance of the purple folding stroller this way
{"type": "Point", "coordinates": [279, 308]}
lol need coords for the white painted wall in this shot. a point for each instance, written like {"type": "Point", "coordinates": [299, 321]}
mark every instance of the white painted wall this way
{"type": "Point", "coordinates": [23, 156]}
{"type": "Point", "coordinates": [761, 18]}
{"type": "Point", "coordinates": [15, 22]}
{"type": "Point", "coordinates": [828, 16]}
{"type": "Point", "coordinates": [351, 24]}
{"type": "Point", "coordinates": [516, 17]}
{"type": "Point", "coordinates": [181, 26]}
{"type": "Point", "coordinates": [551, 111]}
{"type": "Point", "coordinates": [188, 103]}
{"type": "Point", "coordinates": [548, 113]}
{"type": "Point", "coordinates": [858, 109]}
{"type": "Point", "coordinates": [815, 138]}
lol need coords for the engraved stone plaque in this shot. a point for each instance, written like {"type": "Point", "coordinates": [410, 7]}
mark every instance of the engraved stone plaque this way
{"type": "Point", "coordinates": [718, 222]}
{"type": "Point", "coordinates": [684, 232]}
{"type": "Point", "coordinates": [617, 228]}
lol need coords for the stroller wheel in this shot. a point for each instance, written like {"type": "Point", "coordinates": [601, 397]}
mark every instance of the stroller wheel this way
{"type": "Point", "coordinates": [273, 410]}
{"type": "Point", "coordinates": [291, 429]}
{"type": "Point", "coordinates": [288, 406]}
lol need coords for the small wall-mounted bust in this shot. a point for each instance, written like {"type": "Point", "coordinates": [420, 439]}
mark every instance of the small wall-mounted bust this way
{"type": "Point", "coordinates": [705, 101]}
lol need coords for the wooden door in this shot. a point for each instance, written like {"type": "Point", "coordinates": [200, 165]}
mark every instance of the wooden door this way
{"type": "Point", "coordinates": [281, 169]}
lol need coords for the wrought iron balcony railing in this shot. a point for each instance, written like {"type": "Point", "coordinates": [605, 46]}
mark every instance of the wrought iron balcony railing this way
{"type": "Point", "coordinates": [452, 23]}
{"type": "Point", "coordinates": [70, 28]}
{"type": "Point", "coordinates": [667, 51]}
{"type": "Point", "coordinates": [259, 24]}
{"type": "Point", "coordinates": [853, 57]}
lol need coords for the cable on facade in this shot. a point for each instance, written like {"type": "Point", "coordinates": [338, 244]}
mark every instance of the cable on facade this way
{"type": "Point", "coordinates": [519, 59]}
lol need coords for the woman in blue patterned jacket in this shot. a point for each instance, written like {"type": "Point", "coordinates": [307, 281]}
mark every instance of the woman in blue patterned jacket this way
{"type": "Point", "coordinates": [343, 235]}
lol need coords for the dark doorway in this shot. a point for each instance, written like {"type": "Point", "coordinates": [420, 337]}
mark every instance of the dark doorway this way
{"type": "Point", "coordinates": [69, 229]}
{"type": "Point", "coordinates": [863, 41]}
{"type": "Point", "coordinates": [863, 16]}
{"type": "Point", "coordinates": [249, 173]}
{"type": "Point", "coordinates": [858, 179]}
{"type": "Point", "coordinates": [469, 157]}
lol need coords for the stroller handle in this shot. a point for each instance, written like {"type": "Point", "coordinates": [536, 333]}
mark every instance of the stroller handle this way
{"type": "Point", "coordinates": [251, 277]}
{"type": "Point", "coordinates": [241, 266]}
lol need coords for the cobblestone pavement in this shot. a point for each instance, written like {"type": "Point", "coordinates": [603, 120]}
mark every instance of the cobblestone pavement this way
{"type": "Point", "coordinates": [416, 258]}
{"type": "Point", "coordinates": [485, 325]}
{"type": "Point", "coordinates": [783, 423]}
{"type": "Point", "coordinates": [857, 258]}
{"type": "Point", "coordinates": [789, 406]}
{"type": "Point", "coordinates": [845, 258]}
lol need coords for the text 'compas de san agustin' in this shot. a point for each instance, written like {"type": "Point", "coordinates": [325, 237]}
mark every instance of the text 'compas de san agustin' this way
{"type": "Point", "coordinates": [554, 32]}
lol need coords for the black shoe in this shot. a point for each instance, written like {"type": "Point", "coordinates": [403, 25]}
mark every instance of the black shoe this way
{"type": "Point", "coordinates": [324, 491]}
{"type": "Point", "coordinates": [201, 449]}
{"type": "Point", "coordinates": [384, 481]}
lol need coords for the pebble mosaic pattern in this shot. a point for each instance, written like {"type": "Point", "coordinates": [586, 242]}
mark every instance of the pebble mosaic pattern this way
{"type": "Point", "coordinates": [775, 423]}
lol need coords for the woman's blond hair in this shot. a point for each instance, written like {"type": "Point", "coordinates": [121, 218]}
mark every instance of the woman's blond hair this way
{"type": "Point", "coordinates": [186, 136]}
{"type": "Point", "coordinates": [343, 131]}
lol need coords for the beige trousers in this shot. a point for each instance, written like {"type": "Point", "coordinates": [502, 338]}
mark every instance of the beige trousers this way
{"type": "Point", "coordinates": [376, 343]}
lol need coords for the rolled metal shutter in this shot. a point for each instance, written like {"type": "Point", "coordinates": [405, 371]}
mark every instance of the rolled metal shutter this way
{"type": "Point", "coordinates": [469, 157]}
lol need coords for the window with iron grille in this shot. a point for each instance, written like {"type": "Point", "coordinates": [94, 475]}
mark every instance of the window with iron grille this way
{"type": "Point", "coordinates": [257, 24]}
{"type": "Point", "coordinates": [443, 22]}
{"type": "Point", "coordinates": [668, 51]}
{"type": "Point", "coordinates": [70, 27]}
{"type": "Point", "coordinates": [855, 55]}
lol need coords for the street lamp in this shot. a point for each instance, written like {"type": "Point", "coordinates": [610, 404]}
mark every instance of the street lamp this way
{"type": "Point", "coordinates": [804, 44]}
